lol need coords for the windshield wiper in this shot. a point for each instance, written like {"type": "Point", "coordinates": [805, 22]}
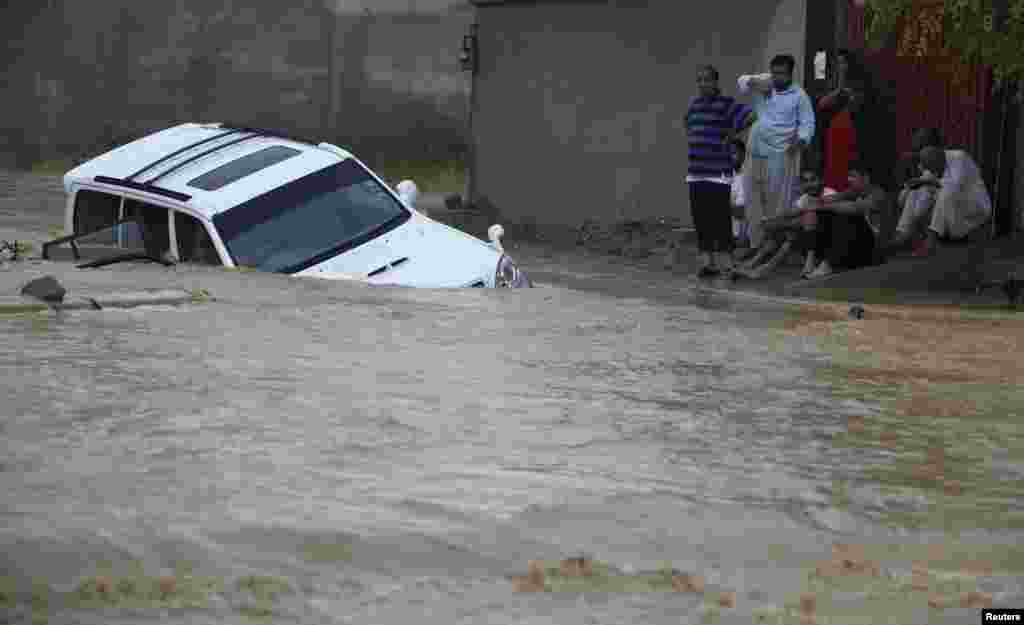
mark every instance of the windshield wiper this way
{"type": "Point", "coordinates": [110, 260]}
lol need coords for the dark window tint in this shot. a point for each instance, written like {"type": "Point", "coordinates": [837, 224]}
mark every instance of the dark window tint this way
{"type": "Point", "coordinates": [95, 210]}
{"type": "Point", "coordinates": [242, 167]}
{"type": "Point", "coordinates": [155, 230]}
{"type": "Point", "coordinates": [194, 244]}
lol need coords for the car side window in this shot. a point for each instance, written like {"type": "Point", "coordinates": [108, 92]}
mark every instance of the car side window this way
{"type": "Point", "coordinates": [95, 210]}
{"type": "Point", "coordinates": [155, 230]}
{"type": "Point", "coordinates": [194, 243]}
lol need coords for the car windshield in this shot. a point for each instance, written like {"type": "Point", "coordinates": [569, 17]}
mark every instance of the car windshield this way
{"type": "Point", "coordinates": [309, 219]}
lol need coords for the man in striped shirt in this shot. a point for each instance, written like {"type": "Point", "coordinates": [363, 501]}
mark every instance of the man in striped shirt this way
{"type": "Point", "coordinates": [712, 120]}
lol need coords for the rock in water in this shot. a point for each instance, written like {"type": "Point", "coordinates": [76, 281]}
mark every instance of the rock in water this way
{"type": "Point", "coordinates": [856, 312]}
{"type": "Point", "coordinates": [46, 288]}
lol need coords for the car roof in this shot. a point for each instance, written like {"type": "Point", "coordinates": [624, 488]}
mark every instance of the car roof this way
{"type": "Point", "coordinates": [173, 173]}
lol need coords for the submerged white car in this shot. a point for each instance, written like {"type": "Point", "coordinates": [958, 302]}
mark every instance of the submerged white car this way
{"type": "Point", "coordinates": [236, 196]}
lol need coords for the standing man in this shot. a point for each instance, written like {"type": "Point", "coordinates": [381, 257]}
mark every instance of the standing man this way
{"type": "Point", "coordinates": [712, 121]}
{"type": "Point", "coordinates": [784, 128]}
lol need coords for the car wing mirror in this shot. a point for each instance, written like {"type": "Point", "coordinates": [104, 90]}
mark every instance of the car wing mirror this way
{"type": "Point", "coordinates": [408, 192]}
{"type": "Point", "coordinates": [494, 233]}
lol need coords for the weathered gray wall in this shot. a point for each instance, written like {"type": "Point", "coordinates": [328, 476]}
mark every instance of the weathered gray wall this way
{"type": "Point", "coordinates": [1018, 187]}
{"type": "Point", "coordinates": [580, 106]}
{"type": "Point", "coordinates": [82, 74]}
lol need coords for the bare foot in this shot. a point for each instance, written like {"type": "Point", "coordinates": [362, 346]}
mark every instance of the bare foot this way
{"type": "Point", "coordinates": [824, 269]}
{"type": "Point", "coordinates": [808, 266]}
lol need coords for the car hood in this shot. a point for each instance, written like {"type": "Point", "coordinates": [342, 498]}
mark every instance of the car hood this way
{"type": "Point", "coordinates": [419, 253]}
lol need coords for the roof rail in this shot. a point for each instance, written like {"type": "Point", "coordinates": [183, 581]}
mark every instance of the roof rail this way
{"type": "Point", "coordinates": [188, 147]}
{"type": "Point", "coordinates": [229, 129]}
{"type": "Point", "coordinates": [205, 152]}
{"type": "Point", "coordinates": [144, 186]}
{"type": "Point", "coordinates": [269, 132]}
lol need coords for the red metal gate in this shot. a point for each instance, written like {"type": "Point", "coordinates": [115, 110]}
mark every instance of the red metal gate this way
{"type": "Point", "coordinates": [922, 92]}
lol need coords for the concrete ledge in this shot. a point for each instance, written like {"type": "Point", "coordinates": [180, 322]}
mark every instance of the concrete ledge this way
{"type": "Point", "coordinates": [637, 238]}
{"type": "Point", "coordinates": [13, 304]}
{"type": "Point", "coordinates": [149, 298]}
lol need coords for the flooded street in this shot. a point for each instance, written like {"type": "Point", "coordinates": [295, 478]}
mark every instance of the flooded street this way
{"type": "Point", "coordinates": [383, 454]}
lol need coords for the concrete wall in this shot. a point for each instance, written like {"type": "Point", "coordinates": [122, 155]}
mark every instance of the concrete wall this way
{"type": "Point", "coordinates": [580, 107]}
{"type": "Point", "coordinates": [83, 74]}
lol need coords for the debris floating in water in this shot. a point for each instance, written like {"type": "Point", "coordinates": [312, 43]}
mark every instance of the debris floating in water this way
{"type": "Point", "coordinates": [168, 584]}
{"type": "Point", "coordinates": [808, 603]}
{"type": "Point", "coordinates": [104, 585]}
{"type": "Point", "coordinates": [919, 577]}
{"type": "Point", "coordinates": [582, 574]}
{"type": "Point", "coordinates": [727, 599]}
{"type": "Point", "coordinates": [533, 581]}
{"type": "Point", "coordinates": [937, 601]}
{"type": "Point", "coordinates": [981, 568]}
{"type": "Point", "coordinates": [888, 439]}
{"type": "Point", "coordinates": [688, 583]}
{"type": "Point", "coordinates": [976, 599]}
{"type": "Point", "coordinates": [577, 567]}
{"type": "Point", "coordinates": [847, 560]}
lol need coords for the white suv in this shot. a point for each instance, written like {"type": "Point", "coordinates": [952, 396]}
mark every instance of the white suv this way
{"type": "Point", "coordinates": [246, 197]}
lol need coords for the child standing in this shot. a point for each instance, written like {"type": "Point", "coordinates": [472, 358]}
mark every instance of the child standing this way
{"type": "Point", "coordinates": [740, 227]}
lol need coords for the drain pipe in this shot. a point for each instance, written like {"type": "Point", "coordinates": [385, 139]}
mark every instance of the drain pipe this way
{"type": "Point", "coordinates": [470, 61]}
{"type": "Point", "coordinates": [999, 166]}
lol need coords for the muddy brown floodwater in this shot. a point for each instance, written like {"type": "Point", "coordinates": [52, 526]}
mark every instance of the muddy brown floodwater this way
{"type": "Point", "coordinates": [300, 452]}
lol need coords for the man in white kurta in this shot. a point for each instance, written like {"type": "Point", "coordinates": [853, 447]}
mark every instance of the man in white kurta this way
{"type": "Point", "coordinates": [962, 204]}
{"type": "Point", "coordinates": [784, 128]}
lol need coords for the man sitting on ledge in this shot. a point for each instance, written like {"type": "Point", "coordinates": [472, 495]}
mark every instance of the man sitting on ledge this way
{"type": "Point", "coordinates": [787, 231]}
{"type": "Point", "coordinates": [962, 208]}
{"type": "Point", "coordinates": [845, 235]}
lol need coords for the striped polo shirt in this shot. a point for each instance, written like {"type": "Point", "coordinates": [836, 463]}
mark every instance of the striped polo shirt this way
{"type": "Point", "coordinates": [707, 121]}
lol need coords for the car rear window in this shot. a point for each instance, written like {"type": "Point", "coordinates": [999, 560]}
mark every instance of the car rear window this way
{"type": "Point", "coordinates": [242, 167]}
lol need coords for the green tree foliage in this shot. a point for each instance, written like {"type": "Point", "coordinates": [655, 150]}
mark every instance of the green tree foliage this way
{"type": "Point", "coordinates": [963, 32]}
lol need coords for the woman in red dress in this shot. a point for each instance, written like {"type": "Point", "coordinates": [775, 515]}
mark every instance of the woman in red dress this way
{"type": "Point", "coordinates": [836, 112]}
{"type": "Point", "coordinates": [841, 135]}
